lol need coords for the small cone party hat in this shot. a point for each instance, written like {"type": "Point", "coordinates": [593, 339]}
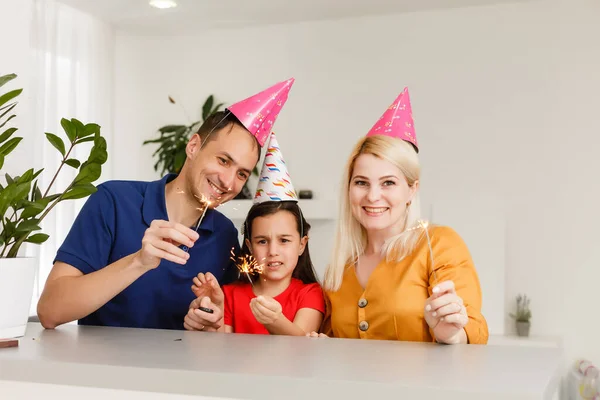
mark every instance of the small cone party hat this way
{"type": "Point", "coordinates": [274, 183]}
{"type": "Point", "coordinates": [397, 121]}
{"type": "Point", "coordinates": [259, 112]}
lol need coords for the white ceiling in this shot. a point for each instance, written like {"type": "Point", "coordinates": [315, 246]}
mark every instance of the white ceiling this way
{"type": "Point", "coordinates": [136, 16]}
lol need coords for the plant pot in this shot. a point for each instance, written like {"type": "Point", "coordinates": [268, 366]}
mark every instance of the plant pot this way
{"type": "Point", "coordinates": [523, 328]}
{"type": "Point", "coordinates": [16, 290]}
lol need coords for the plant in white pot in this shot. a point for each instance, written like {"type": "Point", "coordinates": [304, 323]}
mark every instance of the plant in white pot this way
{"type": "Point", "coordinates": [523, 315]}
{"type": "Point", "coordinates": [24, 205]}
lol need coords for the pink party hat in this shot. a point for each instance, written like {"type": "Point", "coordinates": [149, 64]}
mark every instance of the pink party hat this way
{"type": "Point", "coordinates": [259, 112]}
{"type": "Point", "coordinates": [397, 121]}
{"type": "Point", "coordinates": [274, 183]}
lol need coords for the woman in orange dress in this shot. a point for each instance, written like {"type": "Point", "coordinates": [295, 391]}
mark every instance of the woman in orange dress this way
{"type": "Point", "coordinates": [392, 276]}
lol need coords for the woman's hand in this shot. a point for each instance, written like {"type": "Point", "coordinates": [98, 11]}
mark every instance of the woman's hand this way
{"type": "Point", "coordinates": [266, 309]}
{"type": "Point", "coordinates": [446, 314]}
{"type": "Point", "coordinates": [315, 334]}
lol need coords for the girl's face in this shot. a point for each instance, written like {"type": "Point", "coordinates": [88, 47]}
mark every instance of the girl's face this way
{"type": "Point", "coordinates": [276, 244]}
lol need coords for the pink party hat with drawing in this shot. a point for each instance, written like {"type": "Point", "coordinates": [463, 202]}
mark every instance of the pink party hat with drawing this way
{"type": "Point", "coordinates": [397, 121]}
{"type": "Point", "coordinates": [274, 183]}
{"type": "Point", "coordinates": [259, 112]}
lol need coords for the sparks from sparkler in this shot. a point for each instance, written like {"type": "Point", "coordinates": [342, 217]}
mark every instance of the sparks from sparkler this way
{"type": "Point", "coordinates": [247, 265]}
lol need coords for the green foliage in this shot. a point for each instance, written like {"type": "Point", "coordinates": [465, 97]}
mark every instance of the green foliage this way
{"type": "Point", "coordinates": [23, 206]}
{"type": "Point", "coordinates": [173, 139]}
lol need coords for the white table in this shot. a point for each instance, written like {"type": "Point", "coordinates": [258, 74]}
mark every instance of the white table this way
{"type": "Point", "coordinates": [74, 361]}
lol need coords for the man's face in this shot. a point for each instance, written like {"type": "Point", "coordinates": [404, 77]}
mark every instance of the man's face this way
{"type": "Point", "coordinates": [219, 170]}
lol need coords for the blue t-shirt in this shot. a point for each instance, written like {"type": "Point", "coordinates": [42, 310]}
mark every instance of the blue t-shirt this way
{"type": "Point", "coordinates": [111, 225]}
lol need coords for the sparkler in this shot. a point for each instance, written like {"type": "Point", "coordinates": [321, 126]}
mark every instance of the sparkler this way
{"type": "Point", "coordinates": [247, 265]}
{"type": "Point", "coordinates": [424, 225]}
{"type": "Point", "coordinates": [205, 202]}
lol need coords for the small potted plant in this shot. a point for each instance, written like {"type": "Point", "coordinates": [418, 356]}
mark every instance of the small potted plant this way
{"type": "Point", "coordinates": [522, 315]}
{"type": "Point", "coordinates": [24, 204]}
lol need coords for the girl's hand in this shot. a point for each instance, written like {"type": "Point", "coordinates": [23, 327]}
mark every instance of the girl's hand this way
{"type": "Point", "coordinates": [265, 309]}
{"type": "Point", "coordinates": [446, 314]}
{"type": "Point", "coordinates": [317, 335]}
{"type": "Point", "coordinates": [206, 285]}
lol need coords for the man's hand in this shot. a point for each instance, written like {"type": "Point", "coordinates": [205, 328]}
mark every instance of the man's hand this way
{"type": "Point", "coordinates": [161, 241]}
{"type": "Point", "coordinates": [198, 320]}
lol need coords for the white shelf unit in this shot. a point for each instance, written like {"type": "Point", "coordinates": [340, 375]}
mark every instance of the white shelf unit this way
{"type": "Point", "coordinates": [313, 210]}
{"type": "Point", "coordinates": [531, 341]}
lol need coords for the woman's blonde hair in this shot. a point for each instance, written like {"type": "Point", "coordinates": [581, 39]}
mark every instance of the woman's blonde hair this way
{"type": "Point", "coordinates": [351, 237]}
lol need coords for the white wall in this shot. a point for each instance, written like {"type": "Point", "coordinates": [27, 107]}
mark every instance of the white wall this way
{"type": "Point", "coordinates": [504, 99]}
{"type": "Point", "coordinates": [14, 58]}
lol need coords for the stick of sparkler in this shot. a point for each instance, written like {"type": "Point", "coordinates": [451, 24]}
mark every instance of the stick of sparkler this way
{"type": "Point", "coordinates": [206, 203]}
{"type": "Point", "coordinates": [424, 225]}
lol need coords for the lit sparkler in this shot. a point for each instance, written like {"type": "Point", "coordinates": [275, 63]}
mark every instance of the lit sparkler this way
{"type": "Point", "coordinates": [247, 265]}
{"type": "Point", "coordinates": [205, 202]}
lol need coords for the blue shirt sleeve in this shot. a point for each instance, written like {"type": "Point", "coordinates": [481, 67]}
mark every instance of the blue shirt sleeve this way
{"type": "Point", "coordinates": [231, 271]}
{"type": "Point", "coordinates": [88, 244]}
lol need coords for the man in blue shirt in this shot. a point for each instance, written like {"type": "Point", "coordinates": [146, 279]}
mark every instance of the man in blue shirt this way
{"type": "Point", "coordinates": [130, 257]}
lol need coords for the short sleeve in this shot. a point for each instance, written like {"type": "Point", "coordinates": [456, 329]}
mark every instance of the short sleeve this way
{"type": "Point", "coordinates": [312, 297]}
{"type": "Point", "coordinates": [228, 305]}
{"type": "Point", "coordinates": [326, 324]}
{"type": "Point", "coordinates": [88, 244]}
{"type": "Point", "coordinates": [453, 262]}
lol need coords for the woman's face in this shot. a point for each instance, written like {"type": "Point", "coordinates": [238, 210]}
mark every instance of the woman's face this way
{"type": "Point", "coordinates": [378, 193]}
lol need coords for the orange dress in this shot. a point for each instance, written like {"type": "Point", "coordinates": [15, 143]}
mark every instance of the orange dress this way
{"type": "Point", "coordinates": [391, 307]}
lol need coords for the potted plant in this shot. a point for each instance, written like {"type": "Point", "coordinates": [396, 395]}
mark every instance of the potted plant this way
{"type": "Point", "coordinates": [173, 139]}
{"type": "Point", "coordinates": [24, 204]}
{"type": "Point", "coordinates": [522, 315]}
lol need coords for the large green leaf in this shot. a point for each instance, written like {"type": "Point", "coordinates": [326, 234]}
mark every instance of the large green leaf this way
{"type": "Point", "coordinates": [72, 162]}
{"type": "Point", "coordinates": [79, 192]}
{"type": "Point", "coordinates": [22, 191]}
{"type": "Point", "coordinates": [7, 134]}
{"type": "Point", "coordinates": [6, 78]}
{"type": "Point", "coordinates": [88, 173]}
{"type": "Point", "coordinates": [90, 129]}
{"type": "Point", "coordinates": [6, 196]}
{"type": "Point", "coordinates": [9, 178]}
{"type": "Point", "coordinates": [98, 153]}
{"type": "Point", "coordinates": [56, 142]}
{"type": "Point", "coordinates": [69, 129]}
{"type": "Point", "coordinates": [26, 177]}
{"type": "Point", "coordinates": [38, 238]}
{"type": "Point", "coordinates": [79, 127]}
{"type": "Point", "coordinates": [5, 98]}
{"type": "Point", "coordinates": [32, 210]}
{"type": "Point", "coordinates": [9, 146]}
{"type": "Point", "coordinates": [171, 128]}
{"type": "Point", "coordinates": [28, 226]}
{"type": "Point", "coordinates": [1, 161]}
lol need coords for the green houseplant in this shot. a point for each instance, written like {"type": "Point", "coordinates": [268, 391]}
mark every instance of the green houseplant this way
{"type": "Point", "coordinates": [523, 315]}
{"type": "Point", "coordinates": [24, 204]}
{"type": "Point", "coordinates": [172, 140]}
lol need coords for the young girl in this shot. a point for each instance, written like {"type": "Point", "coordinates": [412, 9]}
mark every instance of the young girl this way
{"type": "Point", "coordinates": [285, 298]}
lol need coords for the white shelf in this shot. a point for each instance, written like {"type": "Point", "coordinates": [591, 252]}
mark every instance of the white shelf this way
{"type": "Point", "coordinates": [531, 341]}
{"type": "Point", "coordinates": [313, 210]}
